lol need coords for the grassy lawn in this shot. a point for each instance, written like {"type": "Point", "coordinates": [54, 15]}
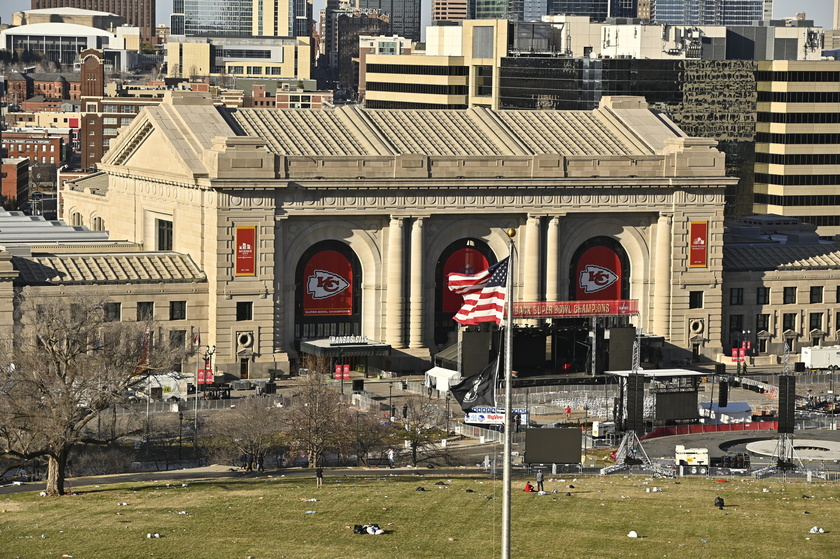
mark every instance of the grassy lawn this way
{"type": "Point", "coordinates": [268, 518]}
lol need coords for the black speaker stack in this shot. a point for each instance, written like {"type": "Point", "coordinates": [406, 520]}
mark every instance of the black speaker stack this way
{"type": "Point", "coordinates": [723, 397]}
{"type": "Point", "coordinates": [787, 403]}
{"type": "Point", "coordinates": [636, 403]}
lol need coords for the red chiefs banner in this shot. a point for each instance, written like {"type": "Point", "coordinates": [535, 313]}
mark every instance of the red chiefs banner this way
{"type": "Point", "coordinates": [698, 252]}
{"type": "Point", "coordinates": [598, 275]}
{"type": "Point", "coordinates": [328, 285]}
{"type": "Point", "coordinates": [246, 251]}
{"type": "Point", "coordinates": [205, 376]}
{"type": "Point", "coordinates": [463, 261]}
{"type": "Point", "coordinates": [571, 309]}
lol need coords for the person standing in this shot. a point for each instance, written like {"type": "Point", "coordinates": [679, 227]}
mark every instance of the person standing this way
{"type": "Point", "coordinates": [391, 456]}
{"type": "Point", "coordinates": [540, 480]}
{"type": "Point", "coordinates": [319, 476]}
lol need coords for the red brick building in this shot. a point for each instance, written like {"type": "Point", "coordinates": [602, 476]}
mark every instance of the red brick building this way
{"type": "Point", "coordinates": [39, 146]}
{"type": "Point", "coordinates": [101, 119]}
{"type": "Point", "coordinates": [50, 85]}
{"type": "Point", "coordinates": [15, 180]}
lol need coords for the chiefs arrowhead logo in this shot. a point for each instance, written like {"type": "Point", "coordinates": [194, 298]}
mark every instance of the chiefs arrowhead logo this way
{"type": "Point", "coordinates": [322, 284]}
{"type": "Point", "coordinates": [595, 278]}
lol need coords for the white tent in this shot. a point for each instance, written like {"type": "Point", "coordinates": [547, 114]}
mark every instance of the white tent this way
{"type": "Point", "coordinates": [735, 412]}
{"type": "Point", "coordinates": [441, 379]}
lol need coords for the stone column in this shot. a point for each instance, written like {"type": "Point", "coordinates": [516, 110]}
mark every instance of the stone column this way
{"type": "Point", "coordinates": [552, 263]}
{"type": "Point", "coordinates": [531, 260]}
{"type": "Point", "coordinates": [415, 298]}
{"type": "Point", "coordinates": [394, 287]}
{"type": "Point", "coordinates": [662, 277]}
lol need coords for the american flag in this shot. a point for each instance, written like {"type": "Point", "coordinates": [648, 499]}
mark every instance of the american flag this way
{"type": "Point", "coordinates": [484, 294]}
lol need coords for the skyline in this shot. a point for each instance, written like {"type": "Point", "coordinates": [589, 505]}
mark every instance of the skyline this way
{"type": "Point", "coordinates": [821, 11]}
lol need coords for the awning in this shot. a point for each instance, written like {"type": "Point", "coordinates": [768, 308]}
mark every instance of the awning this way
{"type": "Point", "coordinates": [441, 379]}
{"type": "Point", "coordinates": [328, 348]}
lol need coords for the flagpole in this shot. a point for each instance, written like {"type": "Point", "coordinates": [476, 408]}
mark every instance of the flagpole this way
{"type": "Point", "coordinates": [506, 473]}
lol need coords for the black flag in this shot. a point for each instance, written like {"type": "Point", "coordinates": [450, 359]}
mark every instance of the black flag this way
{"type": "Point", "coordinates": [477, 390]}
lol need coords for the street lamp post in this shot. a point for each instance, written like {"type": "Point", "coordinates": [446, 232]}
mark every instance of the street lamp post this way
{"type": "Point", "coordinates": [831, 370]}
{"type": "Point", "coordinates": [208, 365]}
{"type": "Point", "coordinates": [743, 339]}
{"type": "Point", "coordinates": [208, 356]}
{"type": "Point", "coordinates": [180, 427]}
{"type": "Point", "coordinates": [391, 401]}
{"type": "Point", "coordinates": [58, 192]}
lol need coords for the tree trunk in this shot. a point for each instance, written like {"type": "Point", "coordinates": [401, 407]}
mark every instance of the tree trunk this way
{"type": "Point", "coordinates": [56, 471]}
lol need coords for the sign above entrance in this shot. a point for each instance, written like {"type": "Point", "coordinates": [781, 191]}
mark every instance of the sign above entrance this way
{"type": "Point", "coordinates": [571, 309]}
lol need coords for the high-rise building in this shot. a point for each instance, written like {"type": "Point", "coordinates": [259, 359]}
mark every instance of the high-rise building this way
{"type": "Point", "coordinates": [709, 12]}
{"type": "Point", "coordinates": [836, 14]}
{"type": "Point", "coordinates": [241, 18]}
{"type": "Point", "coordinates": [404, 14]}
{"type": "Point", "coordinates": [137, 13]}
{"type": "Point", "coordinates": [594, 9]}
{"type": "Point", "coordinates": [797, 159]}
{"type": "Point", "coordinates": [450, 10]}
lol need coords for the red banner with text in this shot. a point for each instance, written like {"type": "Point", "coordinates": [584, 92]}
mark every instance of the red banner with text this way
{"type": "Point", "coordinates": [698, 251]}
{"type": "Point", "coordinates": [571, 309]}
{"type": "Point", "coordinates": [246, 251]}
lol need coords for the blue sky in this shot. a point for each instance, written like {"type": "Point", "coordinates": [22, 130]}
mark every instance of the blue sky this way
{"type": "Point", "coordinates": [819, 10]}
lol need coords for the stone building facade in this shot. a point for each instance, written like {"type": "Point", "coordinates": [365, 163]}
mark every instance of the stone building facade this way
{"type": "Point", "coordinates": [263, 200]}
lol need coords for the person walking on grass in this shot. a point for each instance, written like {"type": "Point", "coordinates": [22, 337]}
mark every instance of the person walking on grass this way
{"type": "Point", "coordinates": [319, 476]}
{"type": "Point", "coordinates": [540, 480]}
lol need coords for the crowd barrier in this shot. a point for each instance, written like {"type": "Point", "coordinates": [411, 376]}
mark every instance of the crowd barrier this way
{"type": "Point", "coordinates": [719, 428]}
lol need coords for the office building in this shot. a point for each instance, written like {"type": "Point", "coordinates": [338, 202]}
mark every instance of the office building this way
{"type": "Point", "coordinates": [797, 167]}
{"type": "Point", "coordinates": [257, 57]}
{"type": "Point", "coordinates": [450, 10]}
{"type": "Point", "coordinates": [596, 10]}
{"type": "Point", "coordinates": [403, 14]}
{"type": "Point", "coordinates": [709, 12]}
{"type": "Point", "coordinates": [241, 18]}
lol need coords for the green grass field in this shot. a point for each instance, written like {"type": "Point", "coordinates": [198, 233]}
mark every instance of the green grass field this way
{"type": "Point", "coordinates": [268, 518]}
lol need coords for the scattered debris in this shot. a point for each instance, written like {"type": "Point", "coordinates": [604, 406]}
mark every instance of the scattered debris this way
{"type": "Point", "coordinates": [632, 534]}
{"type": "Point", "coordinates": [816, 530]}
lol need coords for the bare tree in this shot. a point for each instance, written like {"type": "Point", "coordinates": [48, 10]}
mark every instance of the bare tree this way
{"type": "Point", "coordinates": [421, 426]}
{"type": "Point", "coordinates": [319, 420]}
{"type": "Point", "coordinates": [370, 435]}
{"type": "Point", "coordinates": [253, 429]}
{"type": "Point", "coordinates": [66, 367]}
